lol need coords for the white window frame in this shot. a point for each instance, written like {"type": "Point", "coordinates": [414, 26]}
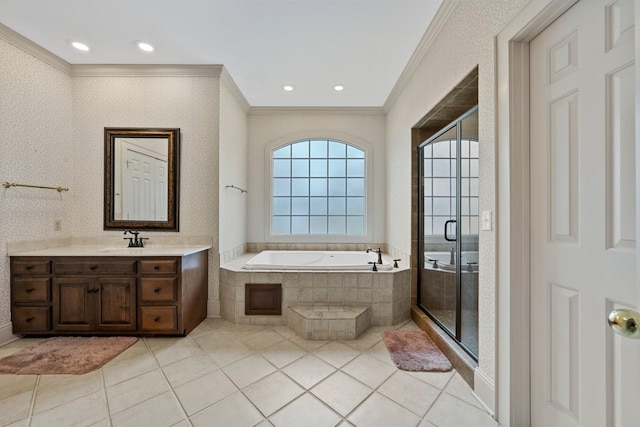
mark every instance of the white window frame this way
{"type": "Point", "coordinates": [320, 238]}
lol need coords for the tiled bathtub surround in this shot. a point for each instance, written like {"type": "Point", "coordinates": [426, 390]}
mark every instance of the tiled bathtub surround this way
{"type": "Point", "coordinates": [387, 293]}
{"type": "Point", "coordinates": [324, 323]}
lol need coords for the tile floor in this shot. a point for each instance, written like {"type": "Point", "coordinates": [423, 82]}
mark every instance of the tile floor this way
{"type": "Point", "coordinates": [232, 375]}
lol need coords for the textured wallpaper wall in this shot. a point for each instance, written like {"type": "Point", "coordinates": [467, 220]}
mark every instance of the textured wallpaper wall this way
{"type": "Point", "coordinates": [466, 43]}
{"type": "Point", "coordinates": [35, 148]}
{"type": "Point", "coordinates": [189, 103]}
{"type": "Point", "coordinates": [266, 129]}
{"type": "Point", "coordinates": [233, 170]}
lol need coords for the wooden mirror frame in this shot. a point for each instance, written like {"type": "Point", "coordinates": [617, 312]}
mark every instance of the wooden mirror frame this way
{"type": "Point", "coordinates": [173, 183]}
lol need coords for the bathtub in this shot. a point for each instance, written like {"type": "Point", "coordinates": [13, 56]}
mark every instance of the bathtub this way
{"type": "Point", "coordinates": [315, 260]}
{"type": "Point", "coordinates": [445, 257]}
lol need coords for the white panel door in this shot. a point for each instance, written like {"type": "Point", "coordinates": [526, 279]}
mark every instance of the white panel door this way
{"type": "Point", "coordinates": [138, 186]}
{"type": "Point", "coordinates": [583, 217]}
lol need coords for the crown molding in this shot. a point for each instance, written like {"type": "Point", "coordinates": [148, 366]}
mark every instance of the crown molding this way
{"type": "Point", "coordinates": [33, 49]}
{"type": "Point", "coordinates": [264, 111]}
{"type": "Point", "coordinates": [437, 25]}
{"type": "Point", "coordinates": [227, 80]}
{"type": "Point", "coordinates": [145, 70]}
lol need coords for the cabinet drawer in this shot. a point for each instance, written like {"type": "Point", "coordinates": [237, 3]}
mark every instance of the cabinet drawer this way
{"type": "Point", "coordinates": [158, 266]}
{"type": "Point", "coordinates": [95, 267]}
{"type": "Point", "coordinates": [31, 319]}
{"type": "Point", "coordinates": [158, 318]}
{"type": "Point", "coordinates": [31, 267]}
{"type": "Point", "coordinates": [158, 289]}
{"type": "Point", "coordinates": [31, 289]}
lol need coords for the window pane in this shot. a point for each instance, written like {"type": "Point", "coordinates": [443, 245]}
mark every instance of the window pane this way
{"type": "Point", "coordinates": [300, 225]}
{"type": "Point", "coordinates": [319, 149]}
{"type": "Point", "coordinates": [465, 167]}
{"type": "Point", "coordinates": [355, 205]}
{"type": "Point", "coordinates": [465, 148]}
{"type": "Point", "coordinates": [337, 168]}
{"type": "Point", "coordinates": [318, 168]}
{"type": "Point", "coordinates": [355, 187]}
{"type": "Point", "coordinates": [464, 201]}
{"type": "Point", "coordinates": [426, 169]}
{"type": "Point", "coordinates": [337, 225]}
{"type": "Point", "coordinates": [300, 150]}
{"type": "Point", "coordinates": [441, 167]}
{"type": "Point", "coordinates": [337, 150]}
{"type": "Point", "coordinates": [473, 149]}
{"type": "Point", "coordinates": [354, 153]}
{"type": "Point", "coordinates": [465, 186]}
{"type": "Point", "coordinates": [282, 153]}
{"type": "Point", "coordinates": [473, 187]}
{"type": "Point", "coordinates": [426, 188]}
{"type": "Point", "coordinates": [318, 206]}
{"type": "Point", "coordinates": [443, 187]}
{"type": "Point", "coordinates": [281, 206]}
{"type": "Point", "coordinates": [428, 226]}
{"type": "Point", "coordinates": [281, 225]}
{"type": "Point", "coordinates": [282, 168]}
{"type": "Point", "coordinates": [473, 206]}
{"type": "Point", "coordinates": [337, 206]}
{"type": "Point", "coordinates": [318, 224]}
{"type": "Point", "coordinates": [281, 187]}
{"type": "Point", "coordinates": [438, 226]}
{"type": "Point", "coordinates": [473, 168]}
{"type": "Point", "coordinates": [337, 187]}
{"type": "Point", "coordinates": [355, 168]}
{"type": "Point", "coordinates": [441, 149]}
{"type": "Point", "coordinates": [299, 187]}
{"type": "Point", "coordinates": [318, 186]}
{"type": "Point", "coordinates": [441, 206]}
{"type": "Point", "coordinates": [300, 168]}
{"type": "Point", "coordinates": [300, 206]}
{"type": "Point", "coordinates": [355, 225]}
{"type": "Point", "coordinates": [427, 206]}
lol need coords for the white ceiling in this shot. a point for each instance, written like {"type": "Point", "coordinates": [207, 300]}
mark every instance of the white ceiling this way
{"type": "Point", "coordinates": [264, 44]}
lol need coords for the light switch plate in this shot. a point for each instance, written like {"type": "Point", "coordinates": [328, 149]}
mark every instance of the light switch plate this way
{"type": "Point", "coordinates": [486, 221]}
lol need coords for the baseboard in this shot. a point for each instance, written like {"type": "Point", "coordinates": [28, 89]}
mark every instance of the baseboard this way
{"type": "Point", "coordinates": [213, 308]}
{"type": "Point", "coordinates": [485, 390]}
{"type": "Point", "coordinates": [6, 336]}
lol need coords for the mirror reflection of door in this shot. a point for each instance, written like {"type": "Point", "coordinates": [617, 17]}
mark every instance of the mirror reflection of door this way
{"type": "Point", "coordinates": [141, 179]}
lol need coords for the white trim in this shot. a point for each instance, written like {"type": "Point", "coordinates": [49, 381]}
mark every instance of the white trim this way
{"type": "Point", "coordinates": [145, 70]}
{"type": "Point", "coordinates": [37, 51]}
{"type": "Point", "coordinates": [485, 390]}
{"type": "Point", "coordinates": [6, 335]}
{"type": "Point", "coordinates": [316, 111]}
{"type": "Point", "coordinates": [512, 160]}
{"type": "Point", "coordinates": [213, 308]}
{"type": "Point", "coordinates": [227, 80]}
{"type": "Point", "coordinates": [435, 27]}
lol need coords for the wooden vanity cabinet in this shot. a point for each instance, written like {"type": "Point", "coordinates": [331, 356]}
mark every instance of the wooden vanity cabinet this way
{"type": "Point", "coordinates": [108, 295]}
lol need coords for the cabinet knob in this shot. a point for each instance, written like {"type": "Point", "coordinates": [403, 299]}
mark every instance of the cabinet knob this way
{"type": "Point", "coordinates": [28, 267]}
{"type": "Point", "coordinates": [93, 267]}
{"type": "Point", "coordinates": [29, 290]}
{"type": "Point", "coordinates": [156, 319]}
{"type": "Point", "coordinates": [29, 319]}
{"type": "Point", "coordinates": [156, 267]}
{"type": "Point", "coordinates": [156, 290]}
{"type": "Point", "coordinates": [92, 291]}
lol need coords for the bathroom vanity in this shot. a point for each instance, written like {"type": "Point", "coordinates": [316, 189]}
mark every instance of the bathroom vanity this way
{"type": "Point", "coordinates": [107, 291]}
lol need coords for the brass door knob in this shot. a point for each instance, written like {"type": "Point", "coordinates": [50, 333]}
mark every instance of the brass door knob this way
{"type": "Point", "coordinates": [625, 322]}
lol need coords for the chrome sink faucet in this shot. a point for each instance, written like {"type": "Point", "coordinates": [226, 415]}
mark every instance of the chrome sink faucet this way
{"type": "Point", "coordinates": [135, 241]}
{"type": "Point", "coordinates": [378, 251]}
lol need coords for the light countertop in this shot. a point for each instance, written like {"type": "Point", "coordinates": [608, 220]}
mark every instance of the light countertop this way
{"type": "Point", "coordinates": [103, 251]}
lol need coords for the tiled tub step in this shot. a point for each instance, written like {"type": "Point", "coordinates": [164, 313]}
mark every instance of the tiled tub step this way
{"type": "Point", "coordinates": [329, 323]}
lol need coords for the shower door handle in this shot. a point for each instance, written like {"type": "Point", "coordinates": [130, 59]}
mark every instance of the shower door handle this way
{"type": "Point", "coordinates": [446, 235]}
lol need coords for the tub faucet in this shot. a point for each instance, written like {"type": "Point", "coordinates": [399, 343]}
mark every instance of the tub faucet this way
{"type": "Point", "coordinates": [452, 260]}
{"type": "Point", "coordinates": [378, 251]}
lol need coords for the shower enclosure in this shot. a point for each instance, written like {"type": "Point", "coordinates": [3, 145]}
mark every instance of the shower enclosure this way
{"type": "Point", "coordinates": [448, 229]}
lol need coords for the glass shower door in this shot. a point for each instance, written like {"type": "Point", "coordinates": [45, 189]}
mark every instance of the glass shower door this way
{"type": "Point", "coordinates": [448, 221]}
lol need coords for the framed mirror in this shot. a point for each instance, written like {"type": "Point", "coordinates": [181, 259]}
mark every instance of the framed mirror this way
{"type": "Point", "coordinates": [141, 178]}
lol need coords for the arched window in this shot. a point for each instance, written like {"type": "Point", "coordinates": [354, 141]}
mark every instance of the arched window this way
{"type": "Point", "coordinates": [318, 187]}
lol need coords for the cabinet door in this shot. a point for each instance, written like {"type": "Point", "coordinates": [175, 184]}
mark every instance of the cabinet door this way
{"type": "Point", "coordinates": [116, 304]}
{"type": "Point", "coordinates": [72, 304]}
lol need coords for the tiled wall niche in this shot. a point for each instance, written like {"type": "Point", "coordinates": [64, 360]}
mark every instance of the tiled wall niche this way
{"type": "Point", "coordinates": [386, 292]}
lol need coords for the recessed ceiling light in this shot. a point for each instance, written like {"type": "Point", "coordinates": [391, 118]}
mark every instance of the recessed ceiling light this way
{"type": "Point", "coordinates": [80, 46]}
{"type": "Point", "coordinates": [144, 46]}
{"type": "Point", "coordinates": [338, 87]}
{"type": "Point", "coordinates": [288, 88]}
